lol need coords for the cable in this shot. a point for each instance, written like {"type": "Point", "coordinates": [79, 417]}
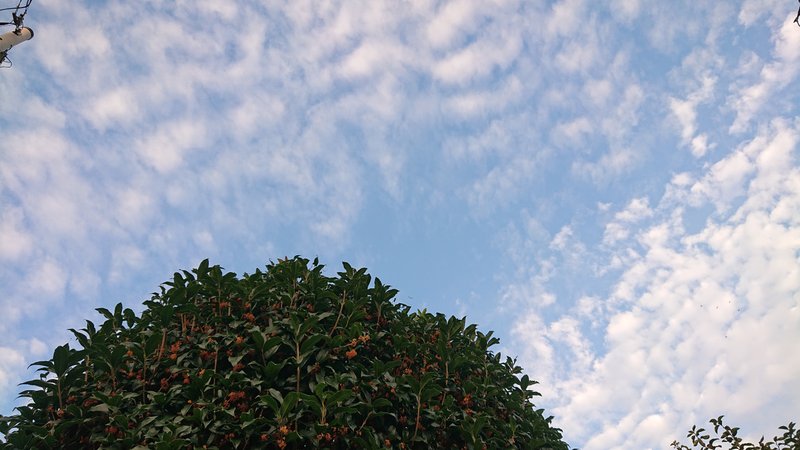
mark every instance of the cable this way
{"type": "Point", "coordinates": [18, 7]}
{"type": "Point", "coordinates": [18, 13]}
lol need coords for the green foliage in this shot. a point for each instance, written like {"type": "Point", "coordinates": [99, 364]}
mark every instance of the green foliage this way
{"type": "Point", "coordinates": [789, 440]}
{"type": "Point", "coordinates": [287, 358]}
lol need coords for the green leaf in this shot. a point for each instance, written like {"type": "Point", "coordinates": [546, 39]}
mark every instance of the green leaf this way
{"type": "Point", "coordinates": [258, 338]}
{"type": "Point", "coordinates": [46, 385]}
{"type": "Point", "coordinates": [106, 313]}
{"type": "Point", "coordinates": [288, 403]}
{"type": "Point", "coordinates": [312, 402]}
{"type": "Point", "coordinates": [379, 403]}
{"type": "Point", "coordinates": [271, 346]}
{"type": "Point", "coordinates": [311, 342]}
{"type": "Point", "coordinates": [306, 325]}
{"type": "Point", "coordinates": [339, 396]}
{"type": "Point", "coordinates": [272, 369]}
{"type": "Point", "coordinates": [101, 408]}
{"type": "Point", "coordinates": [276, 394]}
{"type": "Point", "coordinates": [202, 269]}
{"type": "Point", "coordinates": [61, 360]}
{"type": "Point", "coordinates": [152, 343]}
{"type": "Point", "coordinates": [270, 401]}
{"type": "Point", "coordinates": [235, 359]}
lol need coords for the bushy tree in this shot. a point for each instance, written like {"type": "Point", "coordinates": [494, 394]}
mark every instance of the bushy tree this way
{"type": "Point", "coordinates": [702, 440]}
{"type": "Point", "coordinates": [282, 358]}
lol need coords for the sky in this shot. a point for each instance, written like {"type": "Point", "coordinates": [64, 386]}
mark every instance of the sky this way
{"type": "Point", "coordinates": [612, 187]}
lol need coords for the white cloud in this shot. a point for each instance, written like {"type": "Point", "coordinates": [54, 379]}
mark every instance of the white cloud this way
{"type": "Point", "coordinates": [699, 324]}
{"type": "Point", "coordinates": [84, 282]}
{"type": "Point", "coordinates": [253, 113]}
{"type": "Point", "coordinates": [616, 161]}
{"type": "Point", "coordinates": [165, 149]}
{"type": "Point", "coordinates": [620, 228]}
{"type": "Point", "coordinates": [748, 101]}
{"type": "Point", "coordinates": [47, 281]}
{"type": "Point", "coordinates": [372, 57]}
{"type": "Point", "coordinates": [495, 50]}
{"type": "Point", "coordinates": [533, 293]}
{"type": "Point", "coordinates": [452, 21]}
{"type": "Point", "coordinates": [498, 135]}
{"type": "Point", "coordinates": [617, 126]}
{"type": "Point", "coordinates": [119, 105]}
{"type": "Point", "coordinates": [502, 183]}
{"type": "Point", "coordinates": [37, 347]}
{"type": "Point", "coordinates": [134, 207]}
{"type": "Point", "coordinates": [205, 241]}
{"type": "Point", "coordinates": [15, 241]}
{"type": "Point", "coordinates": [724, 181]}
{"type": "Point", "coordinates": [686, 113]}
{"type": "Point", "coordinates": [699, 145]}
{"type": "Point", "coordinates": [91, 44]}
{"type": "Point", "coordinates": [626, 10]}
{"type": "Point", "coordinates": [752, 10]}
{"type": "Point", "coordinates": [482, 103]}
{"type": "Point", "coordinates": [637, 209]}
{"type": "Point", "coordinates": [563, 17]}
{"type": "Point", "coordinates": [124, 261]}
{"type": "Point", "coordinates": [10, 362]}
{"type": "Point", "coordinates": [213, 9]}
{"type": "Point", "coordinates": [574, 132]}
{"type": "Point", "coordinates": [598, 90]}
{"type": "Point", "coordinates": [579, 55]}
{"type": "Point", "coordinates": [618, 122]}
{"type": "Point", "coordinates": [668, 24]}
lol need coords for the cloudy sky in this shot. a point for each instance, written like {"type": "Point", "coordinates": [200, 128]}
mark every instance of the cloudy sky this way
{"type": "Point", "coordinates": [613, 187]}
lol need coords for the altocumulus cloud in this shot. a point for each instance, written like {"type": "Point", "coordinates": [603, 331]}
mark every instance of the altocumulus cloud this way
{"type": "Point", "coordinates": [627, 172]}
{"type": "Point", "coordinates": [704, 314]}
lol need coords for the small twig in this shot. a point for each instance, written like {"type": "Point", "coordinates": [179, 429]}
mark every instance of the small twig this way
{"type": "Point", "coordinates": [339, 316]}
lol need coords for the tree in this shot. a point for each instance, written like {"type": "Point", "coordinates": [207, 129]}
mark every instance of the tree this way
{"type": "Point", "coordinates": [286, 358]}
{"type": "Point", "coordinates": [701, 440]}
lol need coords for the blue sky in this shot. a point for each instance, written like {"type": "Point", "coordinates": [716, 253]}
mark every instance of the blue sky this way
{"type": "Point", "coordinates": [612, 187]}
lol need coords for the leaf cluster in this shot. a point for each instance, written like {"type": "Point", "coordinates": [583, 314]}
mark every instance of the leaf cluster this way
{"type": "Point", "coordinates": [282, 358]}
{"type": "Point", "coordinates": [729, 439]}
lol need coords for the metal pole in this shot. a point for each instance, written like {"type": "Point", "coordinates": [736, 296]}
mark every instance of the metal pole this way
{"type": "Point", "coordinates": [12, 38]}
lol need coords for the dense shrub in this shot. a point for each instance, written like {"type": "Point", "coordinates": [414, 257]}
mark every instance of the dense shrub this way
{"type": "Point", "coordinates": [286, 358]}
